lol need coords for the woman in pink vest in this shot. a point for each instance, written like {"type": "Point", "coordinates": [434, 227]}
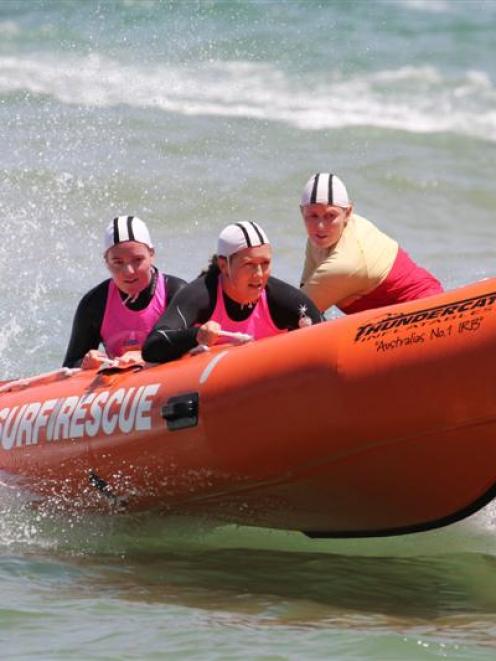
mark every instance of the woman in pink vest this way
{"type": "Point", "coordinates": [121, 311]}
{"type": "Point", "coordinates": [349, 262]}
{"type": "Point", "coordinates": [237, 294]}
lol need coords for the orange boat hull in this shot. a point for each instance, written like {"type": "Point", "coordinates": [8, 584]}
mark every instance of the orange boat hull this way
{"type": "Point", "coordinates": [379, 423]}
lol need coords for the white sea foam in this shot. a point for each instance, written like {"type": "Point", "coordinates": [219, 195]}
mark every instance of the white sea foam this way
{"type": "Point", "coordinates": [432, 6]}
{"type": "Point", "coordinates": [415, 99]}
{"type": "Point", "coordinates": [9, 330]}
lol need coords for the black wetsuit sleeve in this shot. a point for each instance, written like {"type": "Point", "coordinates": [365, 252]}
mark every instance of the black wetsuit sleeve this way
{"type": "Point", "coordinates": [86, 326]}
{"type": "Point", "coordinates": [173, 285]}
{"type": "Point", "coordinates": [288, 305]}
{"type": "Point", "coordinates": [174, 334]}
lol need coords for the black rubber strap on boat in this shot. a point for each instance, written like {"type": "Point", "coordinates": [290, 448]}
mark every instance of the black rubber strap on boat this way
{"type": "Point", "coordinates": [422, 526]}
{"type": "Point", "coordinates": [105, 489]}
{"type": "Point", "coordinates": [100, 484]}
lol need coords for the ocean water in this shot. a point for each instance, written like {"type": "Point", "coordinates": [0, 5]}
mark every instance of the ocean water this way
{"type": "Point", "coordinates": [191, 115]}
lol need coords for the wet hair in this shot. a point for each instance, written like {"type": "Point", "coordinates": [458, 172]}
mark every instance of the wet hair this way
{"type": "Point", "coordinates": [212, 268]}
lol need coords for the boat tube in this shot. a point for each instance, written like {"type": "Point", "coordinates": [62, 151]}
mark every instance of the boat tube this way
{"type": "Point", "coordinates": [378, 423]}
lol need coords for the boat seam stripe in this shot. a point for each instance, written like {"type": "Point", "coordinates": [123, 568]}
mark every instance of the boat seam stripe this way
{"type": "Point", "coordinates": [208, 369]}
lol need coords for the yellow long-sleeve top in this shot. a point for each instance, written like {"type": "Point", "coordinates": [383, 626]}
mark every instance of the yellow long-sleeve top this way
{"type": "Point", "coordinates": [355, 266]}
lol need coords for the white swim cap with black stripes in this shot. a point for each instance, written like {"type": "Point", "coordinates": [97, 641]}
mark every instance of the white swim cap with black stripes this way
{"type": "Point", "coordinates": [238, 236]}
{"type": "Point", "coordinates": [126, 228]}
{"type": "Point", "coordinates": [325, 188]}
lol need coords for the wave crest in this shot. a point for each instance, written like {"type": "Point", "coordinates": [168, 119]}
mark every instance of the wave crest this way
{"type": "Point", "coordinates": [414, 99]}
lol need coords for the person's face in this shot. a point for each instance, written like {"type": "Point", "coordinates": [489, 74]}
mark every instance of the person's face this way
{"type": "Point", "coordinates": [325, 223]}
{"type": "Point", "coordinates": [246, 273]}
{"type": "Point", "coordinates": [130, 264]}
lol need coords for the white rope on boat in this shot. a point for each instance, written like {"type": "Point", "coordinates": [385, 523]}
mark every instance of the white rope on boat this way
{"type": "Point", "coordinates": [19, 384]}
{"type": "Point", "coordinates": [239, 338]}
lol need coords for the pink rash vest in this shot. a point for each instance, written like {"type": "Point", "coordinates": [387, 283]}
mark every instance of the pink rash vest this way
{"type": "Point", "coordinates": [259, 324]}
{"type": "Point", "coordinates": [124, 329]}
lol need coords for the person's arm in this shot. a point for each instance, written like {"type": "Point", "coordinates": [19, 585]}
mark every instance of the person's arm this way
{"type": "Point", "coordinates": [175, 333]}
{"type": "Point", "coordinates": [325, 280]}
{"type": "Point", "coordinates": [288, 306]}
{"type": "Point", "coordinates": [335, 280]}
{"type": "Point", "coordinates": [86, 326]}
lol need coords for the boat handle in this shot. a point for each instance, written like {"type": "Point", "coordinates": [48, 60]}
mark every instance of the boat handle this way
{"type": "Point", "coordinates": [181, 411]}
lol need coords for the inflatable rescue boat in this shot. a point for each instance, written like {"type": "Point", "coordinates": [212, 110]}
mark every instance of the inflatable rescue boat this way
{"type": "Point", "coordinates": [379, 423]}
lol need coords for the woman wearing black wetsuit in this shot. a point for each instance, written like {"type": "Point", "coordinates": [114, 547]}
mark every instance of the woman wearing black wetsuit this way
{"type": "Point", "coordinates": [120, 312]}
{"type": "Point", "coordinates": [236, 294]}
